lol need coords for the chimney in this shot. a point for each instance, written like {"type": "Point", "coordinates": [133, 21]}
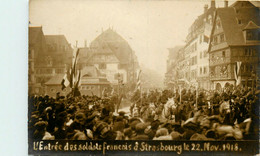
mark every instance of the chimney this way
{"type": "Point", "coordinates": [213, 4]}
{"type": "Point", "coordinates": [226, 3]}
{"type": "Point", "coordinates": [206, 8]}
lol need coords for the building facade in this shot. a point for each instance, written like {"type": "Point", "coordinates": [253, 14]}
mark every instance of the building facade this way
{"type": "Point", "coordinates": [235, 39]}
{"type": "Point", "coordinates": [112, 56]}
{"type": "Point", "coordinates": [49, 55]}
{"type": "Point", "coordinates": [192, 66]}
{"type": "Point", "coordinates": [92, 82]}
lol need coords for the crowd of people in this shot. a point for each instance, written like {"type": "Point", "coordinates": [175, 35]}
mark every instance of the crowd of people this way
{"type": "Point", "coordinates": [231, 114]}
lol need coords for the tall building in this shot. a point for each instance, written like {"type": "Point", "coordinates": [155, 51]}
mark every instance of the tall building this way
{"type": "Point", "coordinates": [235, 38]}
{"type": "Point", "coordinates": [37, 46]}
{"type": "Point", "coordinates": [49, 55]}
{"type": "Point", "coordinates": [195, 50]}
{"type": "Point", "coordinates": [192, 66]}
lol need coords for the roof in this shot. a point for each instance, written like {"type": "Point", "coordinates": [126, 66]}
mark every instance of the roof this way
{"type": "Point", "coordinates": [110, 41]}
{"type": "Point", "coordinates": [256, 3]}
{"type": "Point", "coordinates": [229, 20]}
{"type": "Point", "coordinates": [34, 32]}
{"type": "Point", "coordinates": [86, 54]}
{"type": "Point", "coordinates": [251, 25]}
{"type": "Point", "coordinates": [91, 71]}
{"type": "Point", "coordinates": [59, 39]}
{"type": "Point", "coordinates": [55, 80]}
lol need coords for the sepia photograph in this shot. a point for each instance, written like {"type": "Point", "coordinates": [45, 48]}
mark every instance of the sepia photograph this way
{"type": "Point", "coordinates": [171, 77]}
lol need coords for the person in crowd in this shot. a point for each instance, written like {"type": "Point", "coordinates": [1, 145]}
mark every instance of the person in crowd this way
{"type": "Point", "coordinates": [231, 114]}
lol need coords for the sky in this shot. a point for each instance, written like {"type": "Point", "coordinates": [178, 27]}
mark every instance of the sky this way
{"type": "Point", "coordinates": [150, 27]}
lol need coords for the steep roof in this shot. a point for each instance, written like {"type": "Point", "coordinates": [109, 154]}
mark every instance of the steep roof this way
{"type": "Point", "coordinates": [256, 3]}
{"type": "Point", "coordinates": [229, 20]}
{"type": "Point", "coordinates": [110, 41]}
{"type": "Point", "coordinates": [34, 32]}
{"type": "Point", "coordinates": [58, 39]}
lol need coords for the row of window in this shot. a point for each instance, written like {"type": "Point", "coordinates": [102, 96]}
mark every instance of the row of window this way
{"type": "Point", "coordinates": [104, 66]}
{"type": "Point", "coordinates": [250, 35]}
{"type": "Point", "coordinates": [203, 70]}
{"type": "Point", "coordinates": [50, 71]}
{"type": "Point", "coordinates": [55, 47]}
{"type": "Point", "coordinates": [218, 39]}
{"type": "Point", "coordinates": [87, 87]}
{"type": "Point", "coordinates": [193, 60]}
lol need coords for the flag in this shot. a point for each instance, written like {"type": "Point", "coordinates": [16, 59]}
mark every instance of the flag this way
{"type": "Point", "coordinates": [65, 81]}
{"type": "Point", "coordinates": [138, 84]}
{"type": "Point", "coordinates": [237, 73]}
{"type": "Point", "coordinates": [78, 83]}
{"type": "Point", "coordinates": [73, 75]}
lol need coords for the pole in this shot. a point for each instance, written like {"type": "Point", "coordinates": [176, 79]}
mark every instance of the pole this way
{"type": "Point", "coordinates": [196, 96]}
{"type": "Point", "coordinates": [180, 93]}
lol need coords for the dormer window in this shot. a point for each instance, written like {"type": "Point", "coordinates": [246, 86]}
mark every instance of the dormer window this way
{"type": "Point", "coordinates": [249, 35]}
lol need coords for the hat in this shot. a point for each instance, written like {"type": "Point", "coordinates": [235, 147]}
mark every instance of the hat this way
{"type": "Point", "coordinates": [161, 132]}
{"type": "Point", "coordinates": [79, 115]}
{"type": "Point", "coordinates": [140, 127]}
{"type": "Point", "coordinates": [121, 113]}
{"type": "Point", "coordinates": [40, 125]}
{"type": "Point", "coordinates": [176, 135]}
{"type": "Point", "coordinates": [155, 124]}
{"type": "Point", "coordinates": [198, 137]}
{"type": "Point", "coordinates": [100, 126]}
{"type": "Point", "coordinates": [210, 134]}
{"type": "Point", "coordinates": [134, 123]}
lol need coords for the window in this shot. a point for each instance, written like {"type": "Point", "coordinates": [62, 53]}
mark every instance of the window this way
{"type": "Point", "coordinates": [222, 38]}
{"type": "Point", "coordinates": [215, 39]}
{"type": "Point", "coordinates": [205, 70]}
{"type": "Point", "coordinates": [223, 54]}
{"type": "Point", "coordinates": [206, 39]}
{"type": "Point", "coordinates": [102, 66]}
{"type": "Point", "coordinates": [249, 35]}
{"type": "Point", "coordinates": [200, 70]}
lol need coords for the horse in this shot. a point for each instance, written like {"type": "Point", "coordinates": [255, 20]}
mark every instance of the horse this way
{"type": "Point", "coordinates": [148, 111]}
{"type": "Point", "coordinates": [169, 110]}
{"type": "Point", "coordinates": [225, 112]}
